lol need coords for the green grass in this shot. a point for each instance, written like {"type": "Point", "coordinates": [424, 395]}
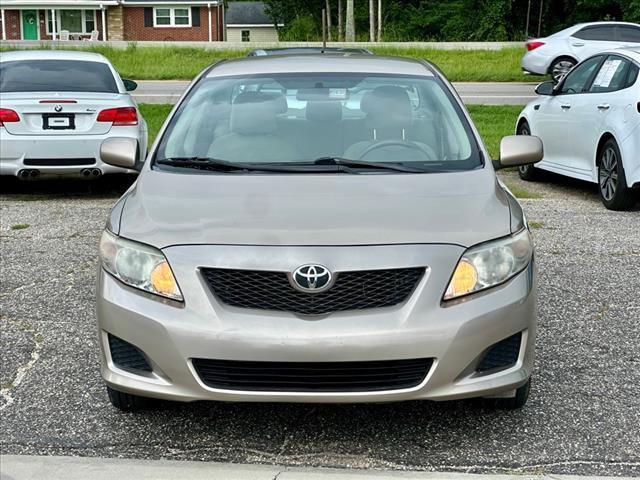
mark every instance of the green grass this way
{"type": "Point", "coordinates": [184, 63]}
{"type": "Point", "coordinates": [521, 192]}
{"type": "Point", "coordinates": [19, 226]}
{"type": "Point", "coordinates": [493, 122]}
{"type": "Point", "coordinates": [155, 116]}
{"type": "Point", "coordinates": [535, 225]}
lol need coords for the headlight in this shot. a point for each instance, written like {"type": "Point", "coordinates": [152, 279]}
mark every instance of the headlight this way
{"type": "Point", "coordinates": [138, 265]}
{"type": "Point", "coordinates": [490, 264]}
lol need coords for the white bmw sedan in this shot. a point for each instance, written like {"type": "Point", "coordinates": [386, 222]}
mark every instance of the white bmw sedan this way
{"type": "Point", "coordinates": [590, 126]}
{"type": "Point", "coordinates": [558, 53]}
{"type": "Point", "coordinates": [57, 107]}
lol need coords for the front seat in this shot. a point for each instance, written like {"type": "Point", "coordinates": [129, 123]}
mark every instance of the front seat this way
{"type": "Point", "coordinates": [253, 131]}
{"type": "Point", "coordinates": [388, 118]}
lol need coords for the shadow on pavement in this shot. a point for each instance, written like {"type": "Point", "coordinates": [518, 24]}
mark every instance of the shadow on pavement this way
{"type": "Point", "coordinates": [108, 186]}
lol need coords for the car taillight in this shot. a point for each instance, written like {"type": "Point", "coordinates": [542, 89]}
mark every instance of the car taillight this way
{"type": "Point", "coordinates": [533, 45]}
{"type": "Point", "coordinates": [7, 115]}
{"type": "Point", "coordinates": [120, 117]}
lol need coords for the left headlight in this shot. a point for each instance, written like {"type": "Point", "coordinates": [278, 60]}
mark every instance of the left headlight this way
{"type": "Point", "coordinates": [138, 265]}
{"type": "Point", "coordinates": [490, 264]}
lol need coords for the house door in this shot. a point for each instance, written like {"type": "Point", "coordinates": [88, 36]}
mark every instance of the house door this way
{"type": "Point", "coordinates": [29, 25]}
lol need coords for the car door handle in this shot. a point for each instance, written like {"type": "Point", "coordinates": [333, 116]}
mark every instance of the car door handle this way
{"type": "Point", "coordinates": [565, 106]}
{"type": "Point", "coordinates": [604, 106]}
{"type": "Point", "coordinates": [578, 44]}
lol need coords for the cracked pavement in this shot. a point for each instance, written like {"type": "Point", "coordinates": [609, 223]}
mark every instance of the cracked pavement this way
{"type": "Point", "coordinates": [582, 417]}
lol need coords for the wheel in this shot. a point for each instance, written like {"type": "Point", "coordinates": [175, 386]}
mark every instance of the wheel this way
{"type": "Point", "coordinates": [612, 181]}
{"type": "Point", "coordinates": [560, 67]}
{"type": "Point", "coordinates": [127, 402]}
{"type": "Point", "coordinates": [517, 401]}
{"type": "Point", "coordinates": [527, 172]}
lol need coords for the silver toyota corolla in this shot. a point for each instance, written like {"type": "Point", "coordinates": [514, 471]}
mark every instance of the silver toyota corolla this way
{"type": "Point", "coordinates": [56, 108]}
{"type": "Point", "coordinates": [318, 229]}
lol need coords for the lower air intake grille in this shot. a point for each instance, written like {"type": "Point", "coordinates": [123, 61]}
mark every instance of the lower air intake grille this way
{"type": "Point", "coordinates": [313, 376]}
{"type": "Point", "coordinates": [502, 354]}
{"type": "Point", "coordinates": [358, 290]}
{"type": "Point", "coordinates": [126, 356]}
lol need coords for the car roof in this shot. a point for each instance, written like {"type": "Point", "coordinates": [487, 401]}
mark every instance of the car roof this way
{"type": "Point", "coordinates": [18, 55]}
{"type": "Point", "coordinates": [308, 50]}
{"type": "Point", "coordinates": [571, 30]}
{"type": "Point", "coordinates": [631, 52]}
{"type": "Point", "coordinates": [326, 63]}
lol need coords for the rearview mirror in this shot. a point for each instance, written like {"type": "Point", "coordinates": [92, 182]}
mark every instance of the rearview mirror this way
{"type": "Point", "coordinates": [119, 152]}
{"type": "Point", "coordinates": [129, 85]}
{"type": "Point", "coordinates": [546, 88]}
{"type": "Point", "coordinates": [516, 150]}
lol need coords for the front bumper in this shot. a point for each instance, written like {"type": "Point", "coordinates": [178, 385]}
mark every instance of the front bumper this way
{"type": "Point", "coordinates": [455, 335]}
{"type": "Point", "coordinates": [18, 152]}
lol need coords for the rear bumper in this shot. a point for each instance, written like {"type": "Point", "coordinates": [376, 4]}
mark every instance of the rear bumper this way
{"type": "Point", "coordinates": [55, 155]}
{"type": "Point", "coordinates": [536, 63]}
{"type": "Point", "coordinates": [455, 336]}
{"type": "Point", "coordinates": [630, 149]}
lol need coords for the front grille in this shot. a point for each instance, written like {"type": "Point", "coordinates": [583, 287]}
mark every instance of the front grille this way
{"type": "Point", "coordinates": [58, 162]}
{"type": "Point", "coordinates": [352, 290]}
{"type": "Point", "coordinates": [502, 354]}
{"type": "Point", "coordinates": [127, 356]}
{"type": "Point", "coordinates": [312, 376]}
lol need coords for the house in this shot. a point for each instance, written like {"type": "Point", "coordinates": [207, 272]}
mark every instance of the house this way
{"type": "Point", "coordinates": [248, 22]}
{"type": "Point", "coordinates": [128, 20]}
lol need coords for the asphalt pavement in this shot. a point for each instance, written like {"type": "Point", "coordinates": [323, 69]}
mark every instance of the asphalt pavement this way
{"type": "Point", "coordinates": [487, 93]}
{"type": "Point", "coordinates": [582, 417]}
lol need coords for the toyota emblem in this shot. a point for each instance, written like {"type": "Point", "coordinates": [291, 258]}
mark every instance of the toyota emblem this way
{"type": "Point", "coordinates": [312, 278]}
{"type": "Point", "coordinates": [58, 108]}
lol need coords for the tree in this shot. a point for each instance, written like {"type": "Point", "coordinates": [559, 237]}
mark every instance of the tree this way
{"type": "Point", "coordinates": [372, 20]}
{"type": "Point", "coordinates": [379, 20]}
{"type": "Point", "coordinates": [328, 8]}
{"type": "Point", "coordinates": [350, 34]}
{"type": "Point", "coordinates": [340, 22]}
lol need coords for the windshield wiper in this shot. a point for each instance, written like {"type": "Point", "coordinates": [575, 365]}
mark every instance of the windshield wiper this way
{"type": "Point", "coordinates": [215, 164]}
{"type": "Point", "coordinates": [364, 164]}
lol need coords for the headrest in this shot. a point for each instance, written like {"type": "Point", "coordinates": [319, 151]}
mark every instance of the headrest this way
{"type": "Point", "coordinates": [387, 106]}
{"type": "Point", "coordinates": [256, 112]}
{"type": "Point", "coordinates": [324, 111]}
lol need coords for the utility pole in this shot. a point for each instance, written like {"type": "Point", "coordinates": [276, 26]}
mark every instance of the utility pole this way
{"type": "Point", "coordinates": [328, 8]}
{"type": "Point", "coordinates": [340, 22]}
{"type": "Point", "coordinates": [350, 34]}
{"type": "Point", "coordinates": [540, 18]}
{"type": "Point", "coordinates": [380, 20]}
{"type": "Point", "coordinates": [372, 21]}
{"type": "Point", "coordinates": [526, 29]}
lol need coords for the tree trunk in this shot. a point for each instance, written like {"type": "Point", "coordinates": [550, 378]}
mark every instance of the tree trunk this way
{"type": "Point", "coordinates": [372, 20]}
{"type": "Point", "coordinates": [340, 22]}
{"type": "Point", "coordinates": [350, 34]}
{"type": "Point", "coordinates": [379, 20]}
{"type": "Point", "coordinates": [328, 7]}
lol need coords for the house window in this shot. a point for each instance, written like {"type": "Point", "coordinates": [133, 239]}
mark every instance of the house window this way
{"type": "Point", "coordinates": [75, 21]}
{"type": "Point", "coordinates": [246, 35]}
{"type": "Point", "coordinates": [171, 17]}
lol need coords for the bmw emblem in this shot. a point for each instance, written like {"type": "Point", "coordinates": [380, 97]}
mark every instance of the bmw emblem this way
{"type": "Point", "coordinates": [58, 108]}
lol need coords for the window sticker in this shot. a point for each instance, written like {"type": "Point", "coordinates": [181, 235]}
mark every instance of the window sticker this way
{"type": "Point", "coordinates": [606, 73]}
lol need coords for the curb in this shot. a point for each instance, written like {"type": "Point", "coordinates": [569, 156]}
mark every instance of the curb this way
{"type": "Point", "coordinates": [28, 467]}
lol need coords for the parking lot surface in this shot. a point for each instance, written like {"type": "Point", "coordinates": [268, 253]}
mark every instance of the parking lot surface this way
{"type": "Point", "coordinates": [582, 417]}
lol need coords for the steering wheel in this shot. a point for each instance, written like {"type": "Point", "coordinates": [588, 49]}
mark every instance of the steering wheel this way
{"type": "Point", "coordinates": [428, 151]}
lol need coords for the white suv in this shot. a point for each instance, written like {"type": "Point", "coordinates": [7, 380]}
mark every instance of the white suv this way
{"type": "Point", "coordinates": [560, 52]}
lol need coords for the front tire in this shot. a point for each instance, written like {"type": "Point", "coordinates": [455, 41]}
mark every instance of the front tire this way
{"type": "Point", "coordinates": [612, 182]}
{"type": "Point", "coordinates": [127, 402]}
{"type": "Point", "coordinates": [527, 172]}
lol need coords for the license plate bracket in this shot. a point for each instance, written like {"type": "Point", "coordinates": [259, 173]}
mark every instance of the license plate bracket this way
{"type": "Point", "coordinates": [58, 121]}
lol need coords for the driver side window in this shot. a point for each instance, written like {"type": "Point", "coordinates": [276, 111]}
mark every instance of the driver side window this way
{"type": "Point", "coordinates": [577, 79]}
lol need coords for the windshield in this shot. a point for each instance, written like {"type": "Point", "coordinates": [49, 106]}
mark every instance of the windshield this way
{"type": "Point", "coordinates": [300, 118]}
{"type": "Point", "coordinates": [56, 76]}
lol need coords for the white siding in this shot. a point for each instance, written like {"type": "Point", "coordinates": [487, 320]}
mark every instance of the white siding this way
{"type": "Point", "coordinates": [257, 34]}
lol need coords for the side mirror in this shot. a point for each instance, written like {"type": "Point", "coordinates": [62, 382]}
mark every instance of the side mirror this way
{"type": "Point", "coordinates": [516, 150]}
{"type": "Point", "coordinates": [546, 88]}
{"type": "Point", "coordinates": [119, 152]}
{"type": "Point", "coordinates": [129, 85]}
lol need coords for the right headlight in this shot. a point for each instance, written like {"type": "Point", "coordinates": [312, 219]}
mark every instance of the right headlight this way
{"type": "Point", "coordinates": [138, 265]}
{"type": "Point", "coordinates": [490, 264]}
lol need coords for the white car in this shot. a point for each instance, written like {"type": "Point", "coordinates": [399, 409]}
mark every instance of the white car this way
{"type": "Point", "coordinates": [590, 126]}
{"type": "Point", "coordinates": [57, 107]}
{"type": "Point", "coordinates": [557, 54]}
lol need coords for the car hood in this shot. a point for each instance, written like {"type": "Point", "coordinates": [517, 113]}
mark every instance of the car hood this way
{"type": "Point", "coordinates": [463, 208]}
